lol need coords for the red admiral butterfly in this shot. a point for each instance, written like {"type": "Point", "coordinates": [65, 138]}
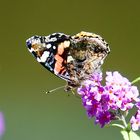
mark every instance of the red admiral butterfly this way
{"type": "Point", "coordinates": [72, 58]}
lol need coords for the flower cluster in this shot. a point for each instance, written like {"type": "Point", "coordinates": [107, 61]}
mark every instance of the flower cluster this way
{"type": "Point", "coordinates": [108, 102]}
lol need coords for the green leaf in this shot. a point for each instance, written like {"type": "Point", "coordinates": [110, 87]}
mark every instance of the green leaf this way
{"type": "Point", "coordinates": [133, 136]}
{"type": "Point", "coordinates": [125, 135]}
{"type": "Point", "coordinates": [129, 135]}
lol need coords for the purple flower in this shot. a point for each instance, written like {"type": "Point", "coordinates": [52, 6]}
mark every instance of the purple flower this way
{"type": "Point", "coordinates": [103, 118]}
{"type": "Point", "coordinates": [135, 121]}
{"type": "Point", "coordinates": [92, 109]}
{"type": "Point", "coordinates": [123, 93]}
{"type": "Point", "coordinates": [2, 124]}
{"type": "Point", "coordinates": [103, 102]}
{"type": "Point", "coordinates": [138, 105]}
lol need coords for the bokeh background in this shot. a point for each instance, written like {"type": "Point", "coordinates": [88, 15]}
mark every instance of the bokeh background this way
{"type": "Point", "coordinates": [29, 113]}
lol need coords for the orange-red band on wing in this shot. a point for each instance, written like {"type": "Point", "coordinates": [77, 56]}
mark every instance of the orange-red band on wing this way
{"type": "Point", "coordinates": [59, 64]}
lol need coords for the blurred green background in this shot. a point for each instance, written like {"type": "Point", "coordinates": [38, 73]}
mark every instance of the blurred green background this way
{"type": "Point", "coordinates": [29, 113]}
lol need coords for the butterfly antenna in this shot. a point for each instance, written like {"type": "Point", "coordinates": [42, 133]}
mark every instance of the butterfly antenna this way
{"type": "Point", "coordinates": [54, 89]}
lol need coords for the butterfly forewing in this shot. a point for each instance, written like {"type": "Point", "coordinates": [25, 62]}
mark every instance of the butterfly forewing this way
{"type": "Point", "coordinates": [51, 51]}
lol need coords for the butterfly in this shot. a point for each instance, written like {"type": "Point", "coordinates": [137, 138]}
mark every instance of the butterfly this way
{"type": "Point", "coordinates": [72, 58]}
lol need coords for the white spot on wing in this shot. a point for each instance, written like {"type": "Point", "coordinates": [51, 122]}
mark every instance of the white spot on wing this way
{"type": "Point", "coordinates": [48, 46]}
{"type": "Point", "coordinates": [38, 59]}
{"type": "Point", "coordinates": [66, 44]}
{"type": "Point", "coordinates": [44, 56]}
{"type": "Point", "coordinates": [54, 47]}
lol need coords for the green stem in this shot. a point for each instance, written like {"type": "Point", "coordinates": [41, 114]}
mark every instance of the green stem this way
{"type": "Point", "coordinates": [128, 135]}
{"type": "Point", "coordinates": [117, 125]}
{"type": "Point", "coordinates": [124, 121]}
{"type": "Point", "coordinates": [136, 80]}
{"type": "Point", "coordinates": [125, 125]}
